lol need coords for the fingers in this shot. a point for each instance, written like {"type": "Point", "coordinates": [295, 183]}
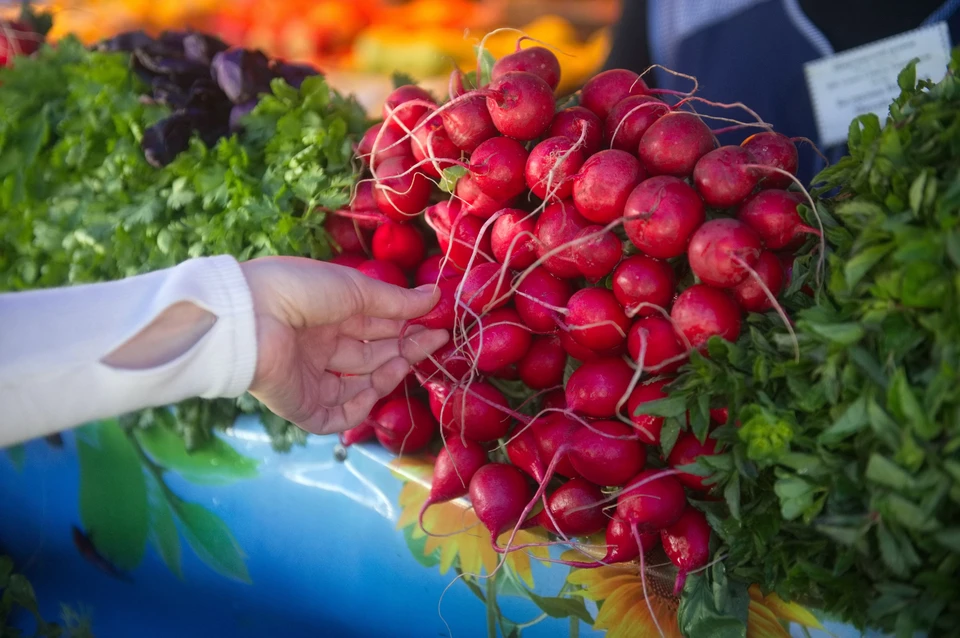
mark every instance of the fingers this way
{"type": "Point", "coordinates": [386, 301]}
{"type": "Point", "coordinates": [369, 328]}
{"type": "Point", "coordinates": [358, 357]}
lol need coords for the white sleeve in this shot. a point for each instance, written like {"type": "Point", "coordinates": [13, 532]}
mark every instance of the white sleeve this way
{"type": "Point", "coordinates": [52, 343]}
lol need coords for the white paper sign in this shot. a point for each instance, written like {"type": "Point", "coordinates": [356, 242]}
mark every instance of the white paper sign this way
{"type": "Point", "coordinates": [864, 80]}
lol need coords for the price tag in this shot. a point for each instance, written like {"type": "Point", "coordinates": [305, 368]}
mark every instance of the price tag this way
{"type": "Point", "coordinates": [864, 80]}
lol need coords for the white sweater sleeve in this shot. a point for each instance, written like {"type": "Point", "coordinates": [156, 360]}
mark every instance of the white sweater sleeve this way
{"type": "Point", "coordinates": [52, 343]}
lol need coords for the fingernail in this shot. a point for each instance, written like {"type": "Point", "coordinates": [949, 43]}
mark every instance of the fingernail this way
{"type": "Point", "coordinates": [426, 288]}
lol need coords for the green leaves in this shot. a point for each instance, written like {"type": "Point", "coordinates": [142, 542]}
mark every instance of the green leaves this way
{"type": "Point", "coordinates": [711, 605]}
{"type": "Point", "coordinates": [211, 539]}
{"type": "Point", "coordinates": [562, 607]}
{"type": "Point", "coordinates": [449, 177]}
{"type": "Point", "coordinates": [163, 529]}
{"type": "Point", "coordinates": [213, 463]}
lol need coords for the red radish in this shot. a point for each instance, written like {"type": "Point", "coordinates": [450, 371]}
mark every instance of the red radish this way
{"type": "Point", "coordinates": [603, 455]}
{"type": "Point", "coordinates": [433, 269]}
{"type": "Point", "coordinates": [497, 166]}
{"type": "Point", "coordinates": [444, 314]}
{"type": "Point", "coordinates": [17, 38]}
{"type": "Point", "coordinates": [475, 201]}
{"type": "Point", "coordinates": [578, 124]}
{"type": "Point", "coordinates": [723, 178]}
{"type": "Point", "coordinates": [553, 432]}
{"type": "Point", "coordinates": [468, 122]}
{"type": "Point", "coordinates": [351, 260]}
{"type": "Point", "coordinates": [604, 90]}
{"type": "Point", "coordinates": [551, 166]}
{"type": "Point", "coordinates": [431, 141]}
{"type": "Point", "coordinates": [748, 292]}
{"type": "Point", "coordinates": [621, 545]}
{"type": "Point", "coordinates": [344, 233]}
{"type": "Point", "coordinates": [558, 226]}
{"type": "Point", "coordinates": [453, 366]}
{"type": "Point", "coordinates": [499, 493]}
{"type": "Point", "coordinates": [776, 150]}
{"type": "Point", "coordinates": [508, 373]}
{"type": "Point", "coordinates": [554, 400]}
{"type": "Point", "coordinates": [661, 214]}
{"type": "Point", "coordinates": [398, 112]}
{"type": "Point", "coordinates": [642, 284]}
{"type": "Point", "coordinates": [364, 201]}
{"type": "Point", "coordinates": [483, 289]}
{"type": "Point", "coordinates": [456, 464]}
{"type": "Point", "coordinates": [523, 451]}
{"type": "Point", "coordinates": [596, 320]}
{"type": "Point", "coordinates": [537, 60]}
{"type": "Point", "coordinates": [687, 544]}
{"type": "Point", "coordinates": [629, 119]}
{"type": "Point", "coordinates": [651, 501]}
{"type": "Point", "coordinates": [597, 252]}
{"type": "Point", "coordinates": [773, 215]}
{"type": "Point", "coordinates": [458, 234]}
{"type": "Point", "coordinates": [648, 426]}
{"type": "Point", "coordinates": [576, 507]}
{"type": "Point", "coordinates": [575, 349]}
{"type": "Point", "coordinates": [520, 104]}
{"type": "Point", "coordinates": [674, 143]}
{"type": "Point", "coordinates": [719, 415]}
{"type": "Point", "coordinates": [384, 271]}
{"type": "Point", "coordinates": [399, 243]}
{"type": "Point", "coordinates": [601, 188]}
{"type": "Point", "coordinates": [714, 246]}
{"type": "Point", "coordinates": [538, 296]}
{"type": "Point", "coordinates": [685, 452]}
{"type": "Point", "coordinates": [401, 191]}
{"type": "Point", "coordinates": [596, 387]}
{"type": "Point", "coordinates": [522, 251]}
{"type": "Point", "coordinates": [358, 434]}
{"type": "Point", "coordinates": [544, 363]}
{"type": "Point", "coordinates": [393, 143]}
{"type": "Point", "coordinates": [664, 352]}
{"type": "Point", "coordinates": [701, 312]}
{"type": "Point", "coordinates": [471, 412]}
{"type": "Point", "coordinates": [499, 339]}
{"type": "Point", "coordinates": [404, 425]}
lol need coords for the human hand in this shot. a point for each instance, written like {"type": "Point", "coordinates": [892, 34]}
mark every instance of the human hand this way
{"type": "Point", "coordinates": [316, 318]}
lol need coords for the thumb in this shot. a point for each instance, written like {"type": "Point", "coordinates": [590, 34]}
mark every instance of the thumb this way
{"type": "Point", "coordinates": [376, 298]}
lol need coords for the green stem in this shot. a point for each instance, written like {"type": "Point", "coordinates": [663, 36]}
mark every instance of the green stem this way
{"type": "Point", "coordinates": [491, 608]}
{"type": "Point", "coordinates": [574, 627]}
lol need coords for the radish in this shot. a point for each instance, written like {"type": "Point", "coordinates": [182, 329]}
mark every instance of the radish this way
{"type": "Point", "coordinates": [577, 123]}
{"type": "Point", "coordinates": [604, 90]}
{"type": "Point", "coordinates": [602, 453]}
{"type": "Point", "coordinates": [721, 250]}
{"type": "Point", "coordinates": [719, 415]}
{"type": "Point", "coordinates": [544, 363]}
{"type": "Point", "coordinates": [497, 166]}
{"type": "Point", "coordinates": [596, 387]}
{"type": "Point", "coordinates": [433, 269]}
{"type": "Point", "coordinates": [575, 349]}
{"type": "Point", "coordinates": [597, 253]}
{"type": "Point", "coordinates": [648, 426]}
{"type": "Point", "coordinates": [750, 295]}
{"type": "Point", "coordinates": [444, 314]}
{"type": "Point", "coordinates": [431, 141]}
{"type": "Point", "coordinates": [458, 234]}
{"type": "Point", "coordinates": [642, 284]}
{"type": "Point", "coordinates": [504, 240]}
{"type": "Point", "coordinates": [773, 215]}
{"type": "Point", "coordinates": [687, 544]}
{"type": "Point", "coordinates": [383, 271]}
{"type": "Point", "coordinates": [358, 434]}
{"type": "Point", "coordinates": [456, 464]}
{"type": "Point", "coordinates": [521, 105]}
{"type": "Point", "coordinates": [629, 119]}
{"type": "Point", "coordinates": [651, 501]}
{"type": "Point", "coordinates": [350, 260]}
{"type": "Point", "coordinates": [701, 312]}
{"type": "Point", "coordinates": [344, 233]}
{"type": "Point", "coordinates": [404, 426]}
{"type": "Point", "coordinates": [551, 166]}
{"type": "Point", "coordinates": [364, 200]}
{"type": "Point", "coordinates": [399, 243]}
{"type": "Point", "coordinates": [663, 351]}
{"type": "Point", "coordinates": [776, 150]}
{"type": "Point", "coordinates": [539, 61]}
{"type": "Point", "coordinates": [398, 112]}
{"type": "Point", "coordinates": [483, 290]}
{"type": "Point", "coordinates": [499, 493]}
{"type": "Point", "coordinates": [401, 191]}
{"type": "Point", "coordinates": [596, 320]}
{"type": "Point", "coordinates": [685, 452]}
{"type": "Point", "coordinates": [601, 188]}
{"type": "Point", "coordinates": [392, 143]}
{"type": "Point", "coordinates": [479, 411]}
{"type": "Point", "coordinates": [661, 214]}
{"type": "Point", "coordinates": [449, 365]}
{"type": "Point", "coordinates": [498, 340]}
{"type": "Point", "coordinates": [553, 432]}
{"type": "Point", "coordinates": [723, 177]}
{"type": "Point", "coordinates": [574, 509]}
{"type": "Point", "coordinates": [557, 227]}
{"type": "Point", "coordinates": [674, 143]}
{"type": "Point", "coordinates": [467, 121]}
{"type": "Point", "coordinates": [539, 296]}
{"type": "Point", "coordinates": [621, 545]}
{"type": "Point", "coordinates": [523, 452]}
{"type": "Point", "coordinates": [475, 201]}
{"type": "Point", "coordinates": [554, 400]}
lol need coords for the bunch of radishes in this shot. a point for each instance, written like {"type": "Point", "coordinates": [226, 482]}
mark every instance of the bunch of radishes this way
{"type": "Point", "coordinates": [535, 275]}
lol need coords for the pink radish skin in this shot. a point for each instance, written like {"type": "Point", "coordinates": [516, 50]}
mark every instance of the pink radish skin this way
{"type": "Point", "coordinates": [475, 202]}
{"type": "Point", "coordinates": [648, 427]}
{"type": "Point", "coordinates": [629, 119]}
{"type": "Point", "coordinates": [544, 363]}
{"type": "Point", "coordinates": [551, 166]}
{"type": "Point", "coordinates": [456, 464]}
{"type": "Point", "coordinates": [773, 215]}
{"type": "Point", "coordinates": [391, 144]}
{"type": "Point", "coordinates": [448, 221]}
{"type": "Point", "coordinates": [596, 320]}
{"type": "Point", "coordinates": [395, 114]}
{"type": "Point", "coordinates": [570, 123]}
{"type": "Point", "coordinates": [364, 200]}
{"type": "Point", "coordinates": [384, 271]}
{"type": "Point", "coordinates": [483, 289]}
{"type": "Point", "coordinates": [661, 215]}
{"type": "Point", "coordinates": [499, 493]}
{"type": "Point", "coordinates": [675, 143]}
{"type": "Point", "coordinates": [502, 341]}
{"type": "Point", "coordinates": [523, 452]}
{"type": "Point", "coordinates": [713, 247]}
{"type": "Point", "coordinates": [685, 452]}
{"type": "Point", "coordinates": [701, 312]}
{"type": "Point", "coordinates": [399, 243]}
{"type": "Point", "coordinates": [750, 295]}
{"type": "Point", "coordinates": [575, 349]}
{"type": "Point", "coordinates": [776, 150]}
{"type": "Point", "coordinates": [719, 415]}
{"type": "Point", "coordinates": [553, 433]}
{"type": "Point", "coordinates": [576, 507]}
{"type": "Point", "coordinates": [444, 314]}
{"type": "Point", "coordinates": [687, 544]}
{"type": "Point", "coordinates": [723, 178]}
{"type": "Point", "coordinates": [656, 504]}
{"type": "Point", "coordinates": [358, 434]}
{"type": "Point", "coordinates": [554, 400]}
{"type": "Point", "coordinates": [468, 122]}
{"type": "Point", "coordinates": [520, 104]}
{"type": "Point", "coordinates": [599, 255]}
{"type": "Point", "coordinates": [474, 416]}
{"type": "Point", "coordinates": [621, 545]}
{"type": "Point", "coordinates": [604, 90]}
{"type": "Point", "coordinates": [401, 193]}
{"type": "Point", "coordinates": [433, 269]}
{"type": "Point", "coordinates": [601, 188]}
{"type": "Point", "coordinates": [453, 363]}
{"type": "Point", "coordinates": [664, 351]}
{"type": "Point", "coordinates": [558, 226]}
{"type": "Point", "coordinates": [522, 252]}
{"type": "Point", "coordinates": [404, 426]}
{"type": "Point", "coordinates": [497, 166]}
{"type": "Point", "coordinates": [539, 61]}
{"type": "Point", "coordinates": [431, 141]}
{"type": "Point", "coordinates": [344, 233]}
{"type": "Point", "coordinates": [595, 388]}
{"type": "Point", "coordinates": [350, 260]}
{"type": "Point", "coordinates": [607, 460]}
{"type": "Point", "coordinates": [537, 296]}
{"type": "Point", "coordinates": [641, 282]}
